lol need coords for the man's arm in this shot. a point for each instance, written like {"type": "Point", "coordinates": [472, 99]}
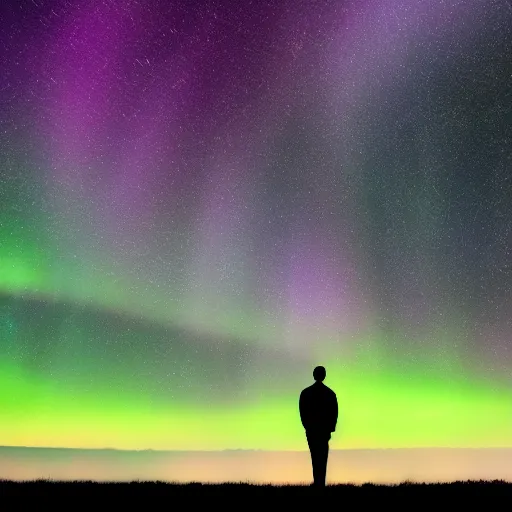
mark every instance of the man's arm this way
{"type": "Point", "coordinates": [302, 410]}
{"type": "Point", "coordinates": [334, 412]}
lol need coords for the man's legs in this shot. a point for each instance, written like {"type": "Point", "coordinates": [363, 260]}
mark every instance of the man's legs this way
{"type": "Point", "coordinates": [323, 453]}
{"type": "Point", "coordinates": [313, 449]}
{"type": "Point", "coordinates": [319, 449]}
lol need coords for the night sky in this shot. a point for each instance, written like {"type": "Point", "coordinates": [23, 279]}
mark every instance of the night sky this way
{"type": "Point", "coordinates": [200, 201]}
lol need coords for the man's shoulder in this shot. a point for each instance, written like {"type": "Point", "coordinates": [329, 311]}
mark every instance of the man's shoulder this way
{"type": "Point", "coordinates": [308, 391]}
{"type": "Point", "coordinates": [326, 391]}
{"type": "Point", "coordinates": [330, 391]}
{"type": "Point", "coordinates": [316, 390]}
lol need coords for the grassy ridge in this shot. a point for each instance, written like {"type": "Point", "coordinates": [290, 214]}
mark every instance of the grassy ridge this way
{"type": "Point", "coordinates": [14, 495]}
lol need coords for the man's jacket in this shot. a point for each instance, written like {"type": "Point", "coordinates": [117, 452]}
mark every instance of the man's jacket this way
{"type": "Point", "coordinates": [318, 408]}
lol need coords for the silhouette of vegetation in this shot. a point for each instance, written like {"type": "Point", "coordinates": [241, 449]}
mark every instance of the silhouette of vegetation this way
{"type": "Point", "coordinates": [34, 493]}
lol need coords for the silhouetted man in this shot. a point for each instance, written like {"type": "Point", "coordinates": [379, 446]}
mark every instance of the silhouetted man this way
{"type": "Point", "coordinates": [318, 409]}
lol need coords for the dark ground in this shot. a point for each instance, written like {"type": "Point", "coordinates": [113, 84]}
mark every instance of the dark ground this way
{"type": "Point", "coordinates": [496, 495]}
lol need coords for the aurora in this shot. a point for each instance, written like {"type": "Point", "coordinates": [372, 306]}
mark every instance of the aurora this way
{"type": "Point", "coordinates": [200, 202]}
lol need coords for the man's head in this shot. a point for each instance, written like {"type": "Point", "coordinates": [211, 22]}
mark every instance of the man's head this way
{"type": "Point", "coordinates": [319, 373]}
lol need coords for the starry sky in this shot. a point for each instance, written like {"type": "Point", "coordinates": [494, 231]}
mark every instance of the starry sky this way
{"type": "Point", "coordinates": [200, 201]}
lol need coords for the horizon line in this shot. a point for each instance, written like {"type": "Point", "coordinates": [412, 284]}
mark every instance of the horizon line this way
{"type": "Point", "coordinates": [258, 449]}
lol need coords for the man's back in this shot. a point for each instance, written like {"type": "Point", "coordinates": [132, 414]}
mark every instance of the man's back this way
{"type": "Point", "coordinates": [318, 408]}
